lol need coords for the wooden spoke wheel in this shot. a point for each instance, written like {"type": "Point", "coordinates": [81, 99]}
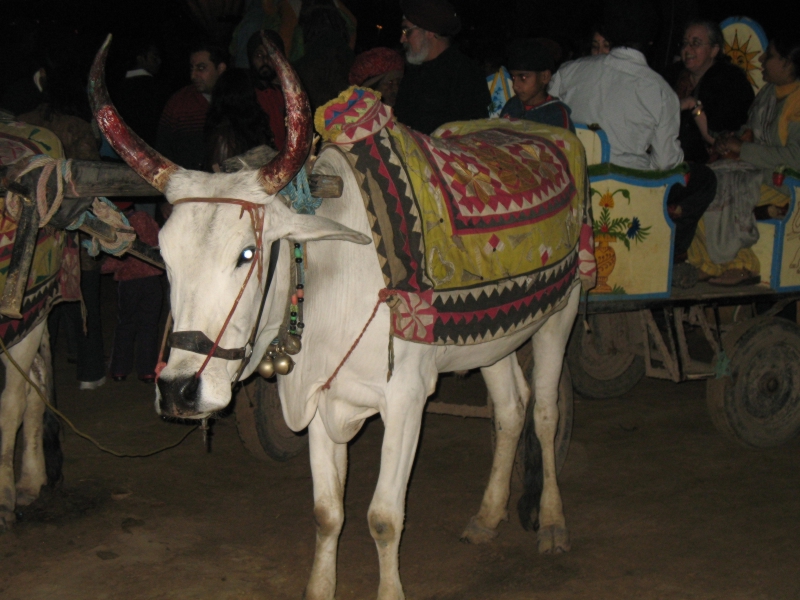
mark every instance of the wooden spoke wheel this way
{"type": "Point", "coordinates": [259, 419]}
{"type": "Point", "coordinates": [602, 362]}
{"type": "Point", "coordinates": [758, 403]}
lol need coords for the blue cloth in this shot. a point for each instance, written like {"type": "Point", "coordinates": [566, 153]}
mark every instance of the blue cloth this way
{"type": "Point", "coordinates": [501, 89]}
{"type": "Point", "coordinates": [551, 112]}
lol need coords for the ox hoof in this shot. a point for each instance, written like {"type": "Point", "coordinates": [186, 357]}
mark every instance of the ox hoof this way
{"type": "Point", "coordinates": [553, 540]}
{"type": "Point", "coordinates": [26, 497]}
{"type": "Point", "coordinates": [476, 533]}
{"type": "Point", "coordinates": [7, 518]}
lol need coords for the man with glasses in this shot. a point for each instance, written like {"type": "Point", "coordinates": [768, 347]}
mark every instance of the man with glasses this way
{"type": "Point", "coordinates": [440, 84]}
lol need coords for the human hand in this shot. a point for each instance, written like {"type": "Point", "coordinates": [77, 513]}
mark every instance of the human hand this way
{"type": "Point", "coordinates": [688, 103]}
{"type": "Point", "coordinates": [728, 146]}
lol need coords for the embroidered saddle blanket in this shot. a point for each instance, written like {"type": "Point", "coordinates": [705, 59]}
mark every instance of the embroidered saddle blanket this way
{"type": "Point", "coordinates": [47, 281]}
{"type": "Point", "coordinates": [481, 229]}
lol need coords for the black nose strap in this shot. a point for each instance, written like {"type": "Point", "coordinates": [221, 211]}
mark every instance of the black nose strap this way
{"type": "Point", "coordinates": [199, 343]}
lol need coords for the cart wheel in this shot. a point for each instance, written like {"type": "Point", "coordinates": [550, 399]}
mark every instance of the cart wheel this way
{"type": "Point", "coordinates": [758, 403]}
{"type": "Point", "coordinates": [260, 422]}
{"type": "Point", "coordinates": [601, 367]}
{"type": "Point", "coordinates": [565, 398]}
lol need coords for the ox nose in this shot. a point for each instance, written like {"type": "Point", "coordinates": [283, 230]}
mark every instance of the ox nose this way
{"type": "Point", "coordinates": [179, 396]}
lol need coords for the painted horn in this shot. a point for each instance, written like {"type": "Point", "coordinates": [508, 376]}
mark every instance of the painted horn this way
{"type": "Point", "coordinates": [280, 170]}
{"type": "Point", "coordinates": [149, 164]}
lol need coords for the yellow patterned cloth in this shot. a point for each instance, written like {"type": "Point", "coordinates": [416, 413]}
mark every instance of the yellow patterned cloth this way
{"type": "Point", "coordinates": [481, 229]}
{"type": "Point", "coordinates": [499, 181]}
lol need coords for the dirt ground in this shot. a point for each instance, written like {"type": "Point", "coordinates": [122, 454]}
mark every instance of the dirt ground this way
{"type": "Point", "coordinates": [658, 503]}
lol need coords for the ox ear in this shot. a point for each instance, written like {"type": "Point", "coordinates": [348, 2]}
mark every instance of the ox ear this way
{"type": "Point", "coordinates": [307, 228]}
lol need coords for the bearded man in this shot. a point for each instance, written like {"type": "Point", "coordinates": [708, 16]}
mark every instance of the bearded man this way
{"type": "Point", "coordinates": [440, 83]}
{"type": "Point", "coordinates": [268, 90]}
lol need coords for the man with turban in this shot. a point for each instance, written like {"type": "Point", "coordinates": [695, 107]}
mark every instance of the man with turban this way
{"type": "Point", "coordinates": [440, 84]}
{"type": "Point", "coordinates": [380, 69]}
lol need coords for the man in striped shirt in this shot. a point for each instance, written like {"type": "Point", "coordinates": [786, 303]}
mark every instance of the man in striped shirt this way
{"type": "Point", "coordinates": [180, 130]}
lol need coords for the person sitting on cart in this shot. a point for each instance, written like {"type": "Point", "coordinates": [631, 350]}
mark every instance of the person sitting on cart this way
{"type": "Point", "coordinates": [715, 94]}
{"type": "Point", "coordinates": [640, 114]}
{"type": "Point", "coordinates": [531, 66]}
{"type": "Point", "coordinates": [770, 142]}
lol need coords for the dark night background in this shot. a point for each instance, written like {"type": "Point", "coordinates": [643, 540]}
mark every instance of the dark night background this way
{"type": "Point", "coordinates": [486, 23]}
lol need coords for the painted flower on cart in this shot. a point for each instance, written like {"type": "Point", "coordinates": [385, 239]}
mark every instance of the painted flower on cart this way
{"type": "Point", "coordinates": [623, 229]}
{"type": "Point", "coordinates": [606, 200]}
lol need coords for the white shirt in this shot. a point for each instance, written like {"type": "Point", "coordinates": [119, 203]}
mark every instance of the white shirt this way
{"type": "Point", "coordinates": [632, 103]}
{"type": "Point", "coordinates": [138, 73]}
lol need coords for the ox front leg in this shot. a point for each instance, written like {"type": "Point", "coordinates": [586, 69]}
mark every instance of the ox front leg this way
{"type": "Point", "coordinates": [32, 472]}
{"type": "Point", "coordinates": [329, 471]}
{"type": "Point", "coordinates": [549, 344]}
{"type": "Point", "coordinates": [402, 421]}
{"type": "Point", "coordinates": [12, 409]}
{"type": "Point", "coordinates": [509, 394]}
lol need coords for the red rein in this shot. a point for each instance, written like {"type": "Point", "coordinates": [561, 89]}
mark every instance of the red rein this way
{"type": "Point", "coordinates": [256, 212]}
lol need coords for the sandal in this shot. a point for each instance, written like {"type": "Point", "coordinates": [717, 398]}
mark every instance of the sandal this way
{"type": "Point", "coordinates": [733, 277]}
{"type": "Point", "coordinates": [703, 276]}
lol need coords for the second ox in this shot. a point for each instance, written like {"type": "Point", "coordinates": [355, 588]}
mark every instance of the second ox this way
{"type": "Point", "coordinates": [442, 254]}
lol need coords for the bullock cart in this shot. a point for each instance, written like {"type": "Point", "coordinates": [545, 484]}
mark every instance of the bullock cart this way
{"type": "Point", "coordinates": [637, 324]}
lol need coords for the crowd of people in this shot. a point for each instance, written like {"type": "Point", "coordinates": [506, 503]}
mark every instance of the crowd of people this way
{"type": "Point", "coordinates": [701, 112]}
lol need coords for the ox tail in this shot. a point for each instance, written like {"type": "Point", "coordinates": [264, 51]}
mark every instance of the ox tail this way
{"type": "Point", "coordinates": [51, 426]}
{"type": "Point", "coordinates": [528, 504]}
{"type": "Point", "coordinates": [51, 444]}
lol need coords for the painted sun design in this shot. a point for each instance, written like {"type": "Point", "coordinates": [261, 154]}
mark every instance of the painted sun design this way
{"type": "Point", "coordinates": [741, 57]}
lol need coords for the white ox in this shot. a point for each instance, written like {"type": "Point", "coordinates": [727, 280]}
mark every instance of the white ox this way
{"type": "Point", "coordinates": [208, 244]}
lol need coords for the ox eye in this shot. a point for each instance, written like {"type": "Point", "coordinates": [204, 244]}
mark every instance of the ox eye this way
{"type": "Point", "coordinates": [247, 255]}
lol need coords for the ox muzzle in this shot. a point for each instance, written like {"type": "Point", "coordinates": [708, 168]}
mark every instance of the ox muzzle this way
{"type": "Point", "coordinates": [179, 397]}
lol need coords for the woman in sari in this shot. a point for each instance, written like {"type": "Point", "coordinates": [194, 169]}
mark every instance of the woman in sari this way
{"type": "Point", "coordinates": [721, 250]}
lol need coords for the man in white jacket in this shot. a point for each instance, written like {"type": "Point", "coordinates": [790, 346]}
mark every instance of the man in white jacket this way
{"type": "Point", "coordinates": [640, 113]}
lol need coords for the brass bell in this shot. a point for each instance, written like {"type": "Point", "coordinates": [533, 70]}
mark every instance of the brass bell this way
{"type": "Point", "coordinates": [283, 364]}
{"type": "Point", "coordinates": [292, 344]}
{"type": "Point", "coordinates": [266, 368]}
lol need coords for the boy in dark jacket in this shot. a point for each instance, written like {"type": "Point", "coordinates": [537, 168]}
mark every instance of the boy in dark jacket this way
{"type": "Point", "coordinates": [531, 66]}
